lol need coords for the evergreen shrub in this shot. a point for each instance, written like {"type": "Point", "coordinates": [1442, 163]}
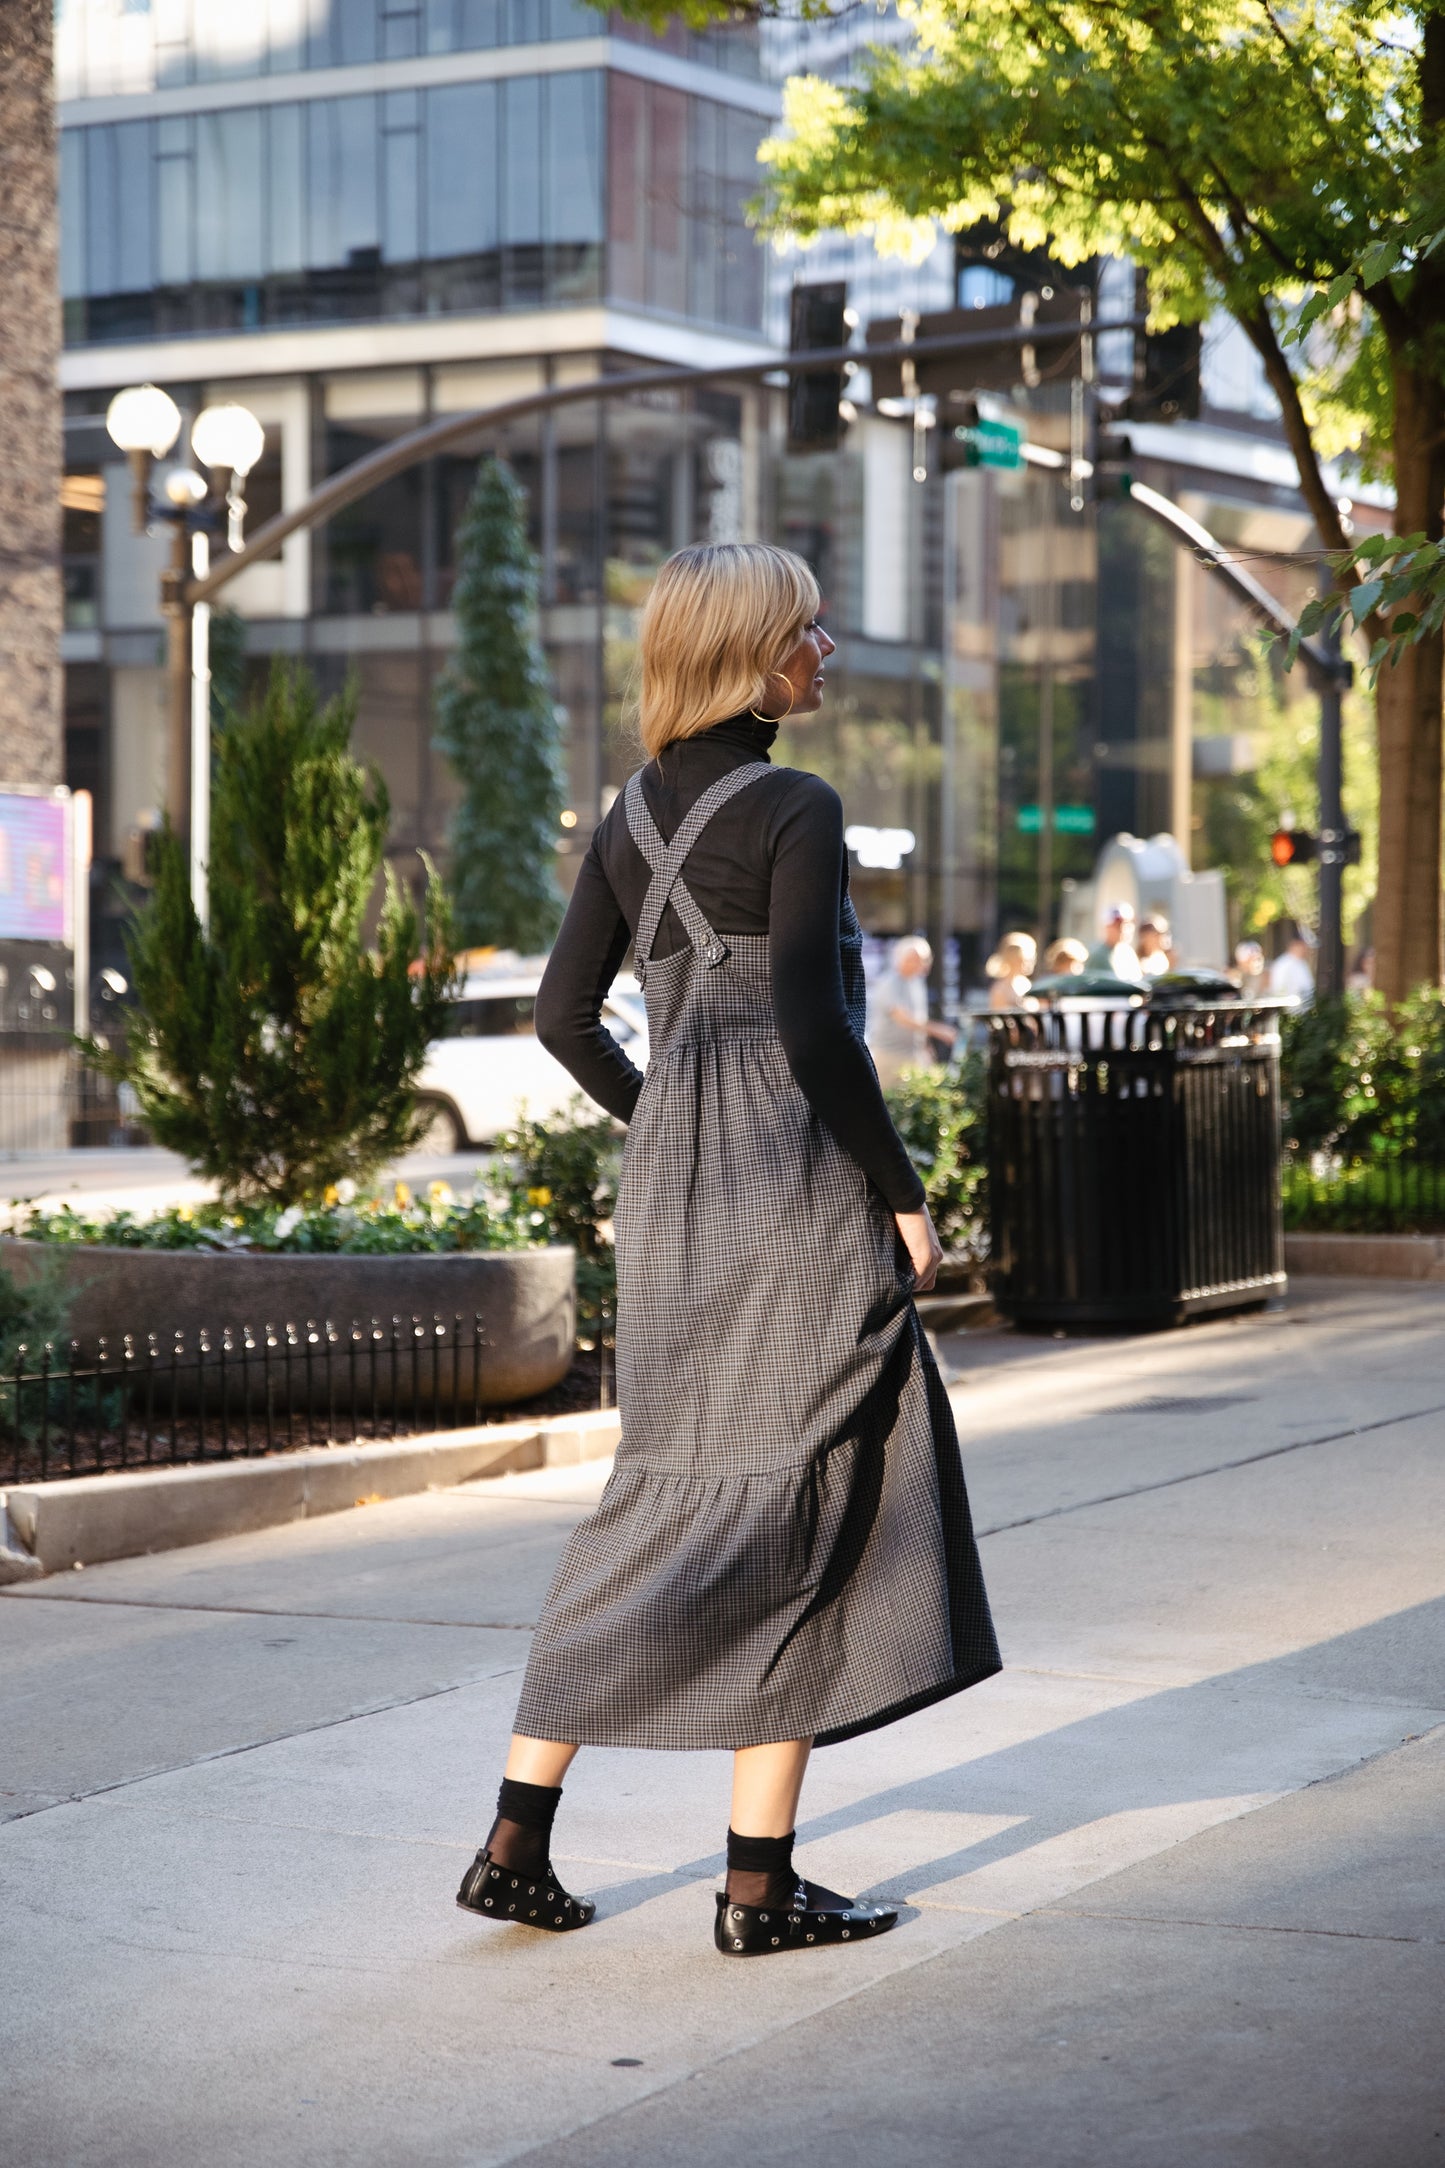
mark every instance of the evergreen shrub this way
{"type": "Point", "coordinates": [501, 729]}
{"type": "Point", "coordinates": [277, 1050]}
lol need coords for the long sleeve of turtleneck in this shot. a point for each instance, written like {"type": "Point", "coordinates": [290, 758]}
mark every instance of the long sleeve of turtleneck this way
{"type": "Point", "coordinates": [829, 1062]}
{"type": "Point", "coordinates": [772, 861]}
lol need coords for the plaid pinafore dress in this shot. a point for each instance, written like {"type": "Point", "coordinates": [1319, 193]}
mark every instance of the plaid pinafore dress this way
{"type": "Point", "coordinates": [783, 1549]}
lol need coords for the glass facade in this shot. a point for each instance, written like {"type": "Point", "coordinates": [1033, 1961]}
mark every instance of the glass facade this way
{"type": "Point", "coordinates": [467, 196]}
{"type": "Point", "coordinates": [106, 48]}
{"type": "Point", "coordinates": [109, 48]}
{"type": "Point", "coordinates": [461, 197]}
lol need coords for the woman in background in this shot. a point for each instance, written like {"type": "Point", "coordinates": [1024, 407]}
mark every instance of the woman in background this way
{"type": "Point", "coordinates": [1011, 970]}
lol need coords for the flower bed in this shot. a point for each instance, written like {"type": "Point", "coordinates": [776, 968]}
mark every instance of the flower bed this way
{"type": "Point", "coordinates": [397, 1224]}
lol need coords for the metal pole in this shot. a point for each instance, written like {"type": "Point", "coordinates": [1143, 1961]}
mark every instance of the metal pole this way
{"type": "Point", "coordinates": [1048, 618]}
{"type": "Point", "coordinates": [176, 603]}
{"type": "Point", "coordinates": [200, 736]}
{"type": "Point", "coordinates": [1330, 971]}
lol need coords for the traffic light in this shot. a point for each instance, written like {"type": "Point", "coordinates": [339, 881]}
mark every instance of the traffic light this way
{"type": "Point", "coordinates": [997, 365]}
{"type": "Point", "coordinates": [818, 323]}
{"type": "Point", "coordinates": [1166, 369]}
{"type": "Point", "coordinates": [1293, 847]}
{"type": "Point", "coordinates": [1113, 467]}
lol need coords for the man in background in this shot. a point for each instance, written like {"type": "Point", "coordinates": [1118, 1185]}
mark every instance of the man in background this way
{"type": "Point", "coordinates": [1292, 974]}
{"type": "Point", "coordinates": [1116, 952]}
{"type": "Point", "coordinates": [900, 1034]}
{"type": "Point", "coordinates": [1155, 947]}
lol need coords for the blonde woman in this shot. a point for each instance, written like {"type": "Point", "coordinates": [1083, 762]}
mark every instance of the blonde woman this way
{"type": "Point", "coordinates": [783, 1555]}
{"type": "Point", "coordinates": [1011, 969]}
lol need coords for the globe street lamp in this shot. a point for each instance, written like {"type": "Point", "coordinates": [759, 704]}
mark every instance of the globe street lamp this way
{"type": "Point", "coordinates": [145, 422]}
{"type": "Point", "coordinates": [228, 440]}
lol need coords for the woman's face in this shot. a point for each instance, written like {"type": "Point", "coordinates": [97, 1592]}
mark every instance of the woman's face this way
{"type": "Point", "coordinates": [796, 688]}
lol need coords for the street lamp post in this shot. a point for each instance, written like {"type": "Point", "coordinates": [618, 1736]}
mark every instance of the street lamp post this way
{"type": "Point", "coordinates": [145, 422]}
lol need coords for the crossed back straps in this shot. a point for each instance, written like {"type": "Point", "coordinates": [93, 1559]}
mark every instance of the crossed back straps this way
{"type": "Point", "coordinates": [667, 861]}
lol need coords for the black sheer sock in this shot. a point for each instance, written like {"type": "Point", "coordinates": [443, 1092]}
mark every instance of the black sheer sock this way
{"type": "Point", "coordinates": [760, 1870]}
{"type": "Point", "coordinates": [521, 1836]}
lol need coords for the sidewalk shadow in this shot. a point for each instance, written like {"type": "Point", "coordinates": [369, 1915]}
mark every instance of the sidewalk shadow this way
{"type": "Point", "coordinates": [1220, 1738]}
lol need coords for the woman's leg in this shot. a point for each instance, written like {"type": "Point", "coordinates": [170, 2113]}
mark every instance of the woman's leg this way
{"type": "Point", "coordinates": [521, 1836]}
{"type": "Point", "coordinates": [538, 1761]}
{"type": "Point", "coordinates": [766, 1783]}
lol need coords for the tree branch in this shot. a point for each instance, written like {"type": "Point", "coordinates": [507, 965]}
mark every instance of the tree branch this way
{"type": "Point", "coordinates": [1325, 512]}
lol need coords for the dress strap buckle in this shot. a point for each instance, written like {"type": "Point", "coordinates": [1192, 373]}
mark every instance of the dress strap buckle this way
{"type": "Point", "coordinates": [667, 861]}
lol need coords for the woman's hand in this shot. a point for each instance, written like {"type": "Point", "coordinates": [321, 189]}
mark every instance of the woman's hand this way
{"type": "Point", "coordinates": [922, 1244]}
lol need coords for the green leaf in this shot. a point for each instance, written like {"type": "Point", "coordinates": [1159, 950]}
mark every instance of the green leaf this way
{"type": "Point", "coordinates": [1364, 598]}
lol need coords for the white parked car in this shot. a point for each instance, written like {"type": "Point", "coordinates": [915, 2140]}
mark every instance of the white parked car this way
{"type": "Point", "coordinates": [491, 1060]}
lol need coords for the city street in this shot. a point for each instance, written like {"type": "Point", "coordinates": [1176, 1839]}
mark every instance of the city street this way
{"type": "Point", "coordinates": [1173, 1884]}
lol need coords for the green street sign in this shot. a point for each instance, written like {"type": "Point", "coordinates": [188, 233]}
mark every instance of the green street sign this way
{"type": "Point", "coordinates": [992, 444]}
{"type": "Point", "coordinates": [1069, 820]}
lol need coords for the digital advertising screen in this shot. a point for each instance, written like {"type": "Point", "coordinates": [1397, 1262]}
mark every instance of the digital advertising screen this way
{"type": "Point", "coordinates": [32, 868]}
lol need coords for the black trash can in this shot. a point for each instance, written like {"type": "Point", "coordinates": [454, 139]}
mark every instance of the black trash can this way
{"type": "Point", "coordinates": [1133, 1162]}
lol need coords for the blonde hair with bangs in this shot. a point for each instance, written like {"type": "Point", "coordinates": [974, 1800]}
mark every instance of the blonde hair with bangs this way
{"type": "Point", "coordinates": [720, 620]}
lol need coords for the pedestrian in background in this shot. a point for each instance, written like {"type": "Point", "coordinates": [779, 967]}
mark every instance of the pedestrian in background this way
{"type": "Point", "coordinates": [1011, 971]}
{"type": "Point", "coordinates": [783, 1555]}
{"type": "Point", "coordinates": [900, 1033]}
{"type": "Point", "coordinates": [1155, 946]}
{"type": "Point", "coordinates": [1362, 977]}
{"type": "Point", "coordinates": [1249, 973]}
{"type": "Point", "coordinates": [1065, 959]}
{"type": "Point", "coordinates": [1292, 974]}
{"type": "Point", "coordinates": [1116, 951]}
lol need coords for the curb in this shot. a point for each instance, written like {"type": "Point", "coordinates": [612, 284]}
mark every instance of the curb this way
{"type": "Point", "coordinates": [87, 1519]}
{"type": "Point", "coordinates": [1366, 1257]}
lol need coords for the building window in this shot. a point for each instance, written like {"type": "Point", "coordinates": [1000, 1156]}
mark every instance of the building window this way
{"type": "Point", "coordinates": [680, 171]}
{"type": "Point", "coordinates": [464, 197]}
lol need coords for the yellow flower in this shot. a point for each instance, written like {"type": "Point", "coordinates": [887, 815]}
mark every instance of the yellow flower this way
{"type": "Point", "coordinates": [184, 1212]}
{"type": "Point", "coordinates": [439, 1192]}
{"type": "Point", "coordinates": [401, 1196]}
{"type": "Point", "coordinates": [236, 1220]}
{"type": "Point", "coordinates": [539, 1196]}
{"type": "Point", "coordinates": [331, 1194]}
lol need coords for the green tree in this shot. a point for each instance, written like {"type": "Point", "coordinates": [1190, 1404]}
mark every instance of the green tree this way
{"type": "Point", "coordinates": [228, 665]}
{"type": "Point", "coordinates": [1242, 153]}
{"type": "Point", "coordinates": [500, 727]}
{"type": "Point", "coordinates": [277, 1050]}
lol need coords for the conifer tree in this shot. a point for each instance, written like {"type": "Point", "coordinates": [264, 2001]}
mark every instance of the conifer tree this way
{"type": "Point", "coordinates": [277, 1050]}
{"type": "Point", "coordinates": [500, 728]}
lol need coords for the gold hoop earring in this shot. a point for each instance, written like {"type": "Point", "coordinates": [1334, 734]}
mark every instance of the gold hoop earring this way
{"type": "Point", "coordinates": [787, 710]}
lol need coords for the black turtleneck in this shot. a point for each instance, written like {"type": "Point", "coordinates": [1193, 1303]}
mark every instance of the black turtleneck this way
{"type": "Point", "coordinates": [770, 861]}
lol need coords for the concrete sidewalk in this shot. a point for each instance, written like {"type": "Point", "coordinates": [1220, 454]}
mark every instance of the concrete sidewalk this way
{"type": "Point", "coordinates": [1173, 1882]}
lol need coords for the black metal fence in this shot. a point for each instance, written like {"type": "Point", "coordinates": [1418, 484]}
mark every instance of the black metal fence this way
{"type": "Point", "coordinates": [1398, 1196]}
{"type": "Point", "coordinates": [243, 1391]}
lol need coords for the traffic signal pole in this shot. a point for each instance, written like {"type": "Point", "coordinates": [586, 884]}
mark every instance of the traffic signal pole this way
{"type": "Point", "coordinates": [1329, 672]}
{"type": "Point", "coordinates": [1334, 836]}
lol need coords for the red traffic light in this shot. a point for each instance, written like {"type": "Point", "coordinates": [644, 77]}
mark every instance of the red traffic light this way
{"type": "Point", "coordinates": [1292, 847]}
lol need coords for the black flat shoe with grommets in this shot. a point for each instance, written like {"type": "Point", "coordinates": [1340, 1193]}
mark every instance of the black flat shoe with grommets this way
{"type": "Point", "coordinates": [759, 1930]}
{"type": "Point", "coordinates": [528, 1900]}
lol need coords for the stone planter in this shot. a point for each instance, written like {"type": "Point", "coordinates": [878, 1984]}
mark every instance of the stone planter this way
{"type": "Point", "coordinates": [526, 1300]}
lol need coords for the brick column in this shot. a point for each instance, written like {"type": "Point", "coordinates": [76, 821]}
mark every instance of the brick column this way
{"type": "Point", "coordinates": [31, 458]}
